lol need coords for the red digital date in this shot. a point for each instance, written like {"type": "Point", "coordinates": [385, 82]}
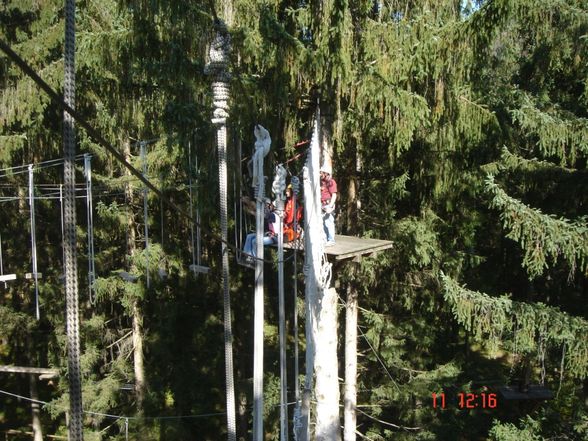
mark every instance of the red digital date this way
{"type": "Point", "coordinates": [468, 400]}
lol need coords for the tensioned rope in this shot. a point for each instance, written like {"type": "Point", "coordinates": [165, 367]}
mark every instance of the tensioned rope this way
{"type": "Point", "coordinates": [69, 243]}
{"type": "Point", "coordinates": [107, 415]}
{"type": "Point", "coordinates": [217, 68]}
{"type": "Point", "coordinates": [278, 187]}
{"type": "Point", "coordinates": [93, 133]}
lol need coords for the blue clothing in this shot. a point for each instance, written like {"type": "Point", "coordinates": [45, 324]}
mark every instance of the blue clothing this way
{"type": "Point", "coordinates": [329, 226]}
{"type": "Point", "coordinates": [250, 246]}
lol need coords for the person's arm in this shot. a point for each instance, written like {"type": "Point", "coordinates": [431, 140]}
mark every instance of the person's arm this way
{"type": "Point", "coordinates": [333, 199]}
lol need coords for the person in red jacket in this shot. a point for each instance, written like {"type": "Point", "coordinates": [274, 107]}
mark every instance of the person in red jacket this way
{"type": "Point", "coordinates": [291, 231]}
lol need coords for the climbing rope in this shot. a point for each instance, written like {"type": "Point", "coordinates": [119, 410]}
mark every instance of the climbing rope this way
{"type": "Point", "coordinates": [143, 153]}
{"type": "Point", "coordinates": [278, 188]}
{"type": "Point", "coordinates": [90, 221]}
{"type": "Point", "coordinates": [71, 270]}
{"type": "Point", "coordinates": [217, 68]}
{"type": "Point", "coordinates": [295, 191]}
{"type": "Point", "coordinates": [34, 240]}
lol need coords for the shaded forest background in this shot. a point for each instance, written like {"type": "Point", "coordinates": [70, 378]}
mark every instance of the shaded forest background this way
{"type": "Point", "coordinates": [459, 130]}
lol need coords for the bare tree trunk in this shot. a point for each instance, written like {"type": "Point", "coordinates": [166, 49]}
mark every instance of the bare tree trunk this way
{"type": "Point", "coordinates": [350, 394]}
{"type": "Point", "coordinates": [326, 370]}
{"type": "Point", "coordinates": [138, 358]}
{"type": "Point", "coordinates": [35, 409]}
{"type": "Point", "coordinates": [351, 310]}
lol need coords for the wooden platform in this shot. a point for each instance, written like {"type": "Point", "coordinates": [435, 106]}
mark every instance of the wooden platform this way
{"type": "Point", "coordinates": [534, 392]}
{"type": "Point", "coordinates": [348, 247]}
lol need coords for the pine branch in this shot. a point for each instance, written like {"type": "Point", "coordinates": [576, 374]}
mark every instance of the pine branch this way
{"type": "Point", "coordinates": [542, 237]}
{"type": "Point", "coordinates": [500, 321]}
{"type": "Point", "coordinates": [558, 133]}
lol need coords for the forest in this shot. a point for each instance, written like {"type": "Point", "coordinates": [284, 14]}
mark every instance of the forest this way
{"type": "Point", "coordinates": [457, 130]}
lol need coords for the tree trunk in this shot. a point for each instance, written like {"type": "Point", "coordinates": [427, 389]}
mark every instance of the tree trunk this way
{"type": "Point", "coordinates": [35, 409]}
{"type": "Point", "coordinates": [321, 307]}
{"type": "Point", "coordinates": [350, 394]}
{"type": "Point", "coordinates": [326, 370]}
{"type": "Point", "coordinates": [351, 309]}
{"type": "Point", "coordinates": [138, 358]}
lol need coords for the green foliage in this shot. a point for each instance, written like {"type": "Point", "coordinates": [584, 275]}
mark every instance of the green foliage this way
{"type": "Point", "coordinates": [524, 327]}
{"type": "Point", "coordinates": [541, 236]}
{"type": "Point", "coordinates": [510, 432]}
{"type": "Point", "coordinates": [559, 133]}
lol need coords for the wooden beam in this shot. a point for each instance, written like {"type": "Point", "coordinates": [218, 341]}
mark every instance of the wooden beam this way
{"type": "Point", "coordinates": [45, 372]}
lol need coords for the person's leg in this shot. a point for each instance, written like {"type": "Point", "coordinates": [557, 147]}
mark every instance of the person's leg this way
{"type": "Point", "coordinates": [267, 240]}
{"type": "Point", "coordinates": [247, 248]}
{"type": "Point", "coordinates": [329, 226]}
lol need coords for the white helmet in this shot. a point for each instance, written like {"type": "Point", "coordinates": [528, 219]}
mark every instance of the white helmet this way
{"type": "Point", "coordinates": [326, 169]}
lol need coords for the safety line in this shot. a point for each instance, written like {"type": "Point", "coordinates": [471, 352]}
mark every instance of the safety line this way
{"type": "Point", "coordinates": [107, 415]}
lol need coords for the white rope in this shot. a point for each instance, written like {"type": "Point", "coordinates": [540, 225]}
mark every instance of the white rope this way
{"type": "Point", "coordinates": [217, 68]}
{"type": "Point", "coordinates": [278, 187]}
{"type": "Point", "coordinates": [143, 152]}
{"type": "Point", "coordinates": [90, 221]}
{"type": "Point", "coordinates": [70, 264]}
{"type": "Point", "coordinates": [34, 240]}
{"type": "Point", "coordinates": [297, 421]}
{"type": "Point", "coordinates": [262, 146]}
{"type": "Point", "coordinates": [192, 249]}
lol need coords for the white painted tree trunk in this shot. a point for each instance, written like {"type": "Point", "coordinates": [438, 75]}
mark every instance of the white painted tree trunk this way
{"type": "Point", "coordinates": [350, 395]}
{"type": "Point", "coordinates": [321, 314]}
{"type": "Point", "coordinates": [326, 369]}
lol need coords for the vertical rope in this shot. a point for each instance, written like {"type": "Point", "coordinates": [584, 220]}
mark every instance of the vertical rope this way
{"type": "Point", "coordinates": [34, 240]}
{"type": "Point", "coordinates": [71, 269]}
{"type": "Point", "coordinates": [198, 232]}
{"type": "Point", "coordinates": [191, 203]}
{"type": "Point", "coordinates": [1, 263]}
{"type": "Point", "coordinates": [217, 67]}
{"type": "Point", "coordinates": [143, 146]}
{"type": "Point", "coordinates": [278, 187]}
{"type": "Point", "coordinates": [295, 190]}
{"type": "Point", "coordinates": [90, 221]}
{"type": "Point", "coordinates": [262, 146]}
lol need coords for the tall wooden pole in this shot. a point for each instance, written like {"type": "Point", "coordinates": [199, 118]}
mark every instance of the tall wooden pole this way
{"type": "Point", "coordinates": [350, 392]}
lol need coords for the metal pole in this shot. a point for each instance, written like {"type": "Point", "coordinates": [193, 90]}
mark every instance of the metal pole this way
{"type": "Point", "coordinates": [258, 315]}
{"type": "Point", "coordinates": [90, 221]}
{"type": "Point", "coordinates": [143, 146]}
{"type": "Point", "coordinates": [71, 268]}
{"type": "Point", "coordinates": [34, 240]}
